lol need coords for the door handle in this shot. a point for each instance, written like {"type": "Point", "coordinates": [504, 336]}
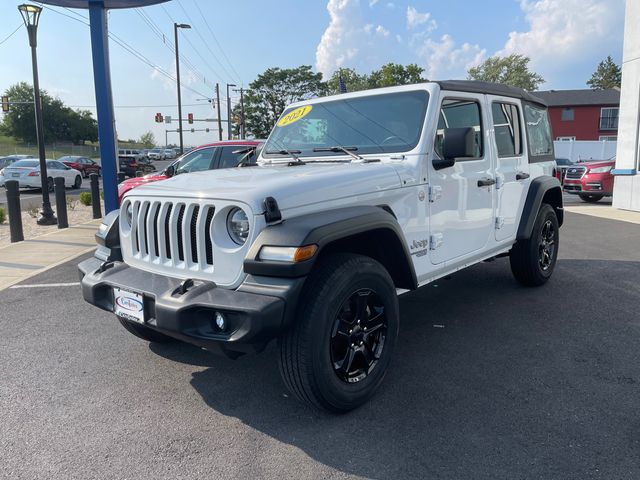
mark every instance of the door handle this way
{"type": "Point", "coordinates": [522, 176]}
{"type": "Point", "coordinates": [486, 182]}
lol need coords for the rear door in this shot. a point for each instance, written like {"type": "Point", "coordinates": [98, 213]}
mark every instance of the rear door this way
{"type": "Point", "coordinates": [462, 196]}
{"type": "Point", "coordinates": [512, 168]}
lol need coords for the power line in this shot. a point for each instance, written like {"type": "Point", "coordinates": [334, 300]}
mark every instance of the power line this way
{"type": "Point", "coordinates": [131, 50]}
{"type": "Point", "coordinates": [215, 39]}
{"type": "Point", "coordinates": [204, 42]}
{"type": "Point", "coordinates": [12, 33]}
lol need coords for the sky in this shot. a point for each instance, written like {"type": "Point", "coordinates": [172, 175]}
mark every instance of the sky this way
{"type": "Point", "coordinates": [231, 42]}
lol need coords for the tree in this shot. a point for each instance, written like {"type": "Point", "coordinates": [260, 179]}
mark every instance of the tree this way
{"type": "Point", "coordinates": [512, 70]}
{"type": "Point", "coordinates": [147, 140]}
{"type": "Point", "coordinates": [273, 90]}
{"type": "Point", "coordinates": [607, 75]}
{"type": "Point", "coordinates": [352, 79]}
{"type": "Point", "coordinates": [61, 123]}
{"type": "Point", "coordinates": [388, 75]}
{"type": "Point", "coordinates": [393, 74]}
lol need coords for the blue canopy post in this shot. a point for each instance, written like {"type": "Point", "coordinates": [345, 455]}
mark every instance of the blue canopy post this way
{"type": "Point", "coordinates": [104, 103]}
{"type": "Point", "coordinates": [102, 81]}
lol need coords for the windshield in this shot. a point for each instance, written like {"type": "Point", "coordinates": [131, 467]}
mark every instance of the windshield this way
{"type": "Point", "coordinates": [390, 122]}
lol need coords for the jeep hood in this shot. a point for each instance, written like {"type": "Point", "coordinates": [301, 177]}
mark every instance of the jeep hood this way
{"type": "Point", "coordinates": [291, 186]}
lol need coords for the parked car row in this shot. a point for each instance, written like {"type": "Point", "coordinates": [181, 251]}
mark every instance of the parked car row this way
{"type": "Point", "coordinates": [591, 181]}
{"type": "Point", "coordinates": [206, 157]}
{"type": "Point", "coordinates": [27, 173]}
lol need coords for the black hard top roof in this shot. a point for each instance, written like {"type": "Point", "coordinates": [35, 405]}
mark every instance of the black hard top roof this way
{"type": "Point", "coordinates": [475, 86]}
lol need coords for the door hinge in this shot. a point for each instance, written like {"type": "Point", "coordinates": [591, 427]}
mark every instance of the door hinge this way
{"type": "Point", "coordinates": [499, 223]}
{"type": "Point", "coordinates": [435, 241]}
{"type": "Point", "coordinates": [435, 193]}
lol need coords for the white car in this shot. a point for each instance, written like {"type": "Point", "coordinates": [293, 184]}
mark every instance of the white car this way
{"type": "Point", "coordinates": [354, 199]}
{"type": "Point", "coordinates": [27, 173]}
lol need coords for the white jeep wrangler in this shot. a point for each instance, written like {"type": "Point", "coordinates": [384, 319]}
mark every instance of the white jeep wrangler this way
{"type": "Point", "coordinates": [355, 199]}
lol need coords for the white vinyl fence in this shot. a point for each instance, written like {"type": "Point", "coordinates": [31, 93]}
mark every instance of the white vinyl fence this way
{"type": "Point", "coordinates": [576, 150]}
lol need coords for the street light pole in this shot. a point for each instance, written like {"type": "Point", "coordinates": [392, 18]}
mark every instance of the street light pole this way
{"type": "Point", "coordinates": [219, 113]}
{"type": "Point", "coordinates": [229, 111]}
{"type": "Point", "coordinates": [176, 26]}
{"type": "Point", "coordinates": [242, 124]}
{"type": "Point", "coordinates": [31, 15]}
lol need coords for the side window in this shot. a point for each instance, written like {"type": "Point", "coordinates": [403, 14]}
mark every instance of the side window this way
{"type": "Point", "coordinates": [458, 113]}
{"type": "Point", "coordinates": [538, 131]}
{"type": "Point", "coordinates": [196, 161]}
{"type": "Point", "coordinates": [228, 159]}
{"type": "Point", "coordinates": [507, 128]}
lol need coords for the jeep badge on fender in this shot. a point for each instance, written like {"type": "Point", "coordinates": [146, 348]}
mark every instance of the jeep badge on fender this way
{"type": "Point", "coordinates": [312, 244]}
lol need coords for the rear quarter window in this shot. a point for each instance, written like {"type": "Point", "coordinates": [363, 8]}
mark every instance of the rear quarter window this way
{"type": "Point", "coordinates": [538, 133]}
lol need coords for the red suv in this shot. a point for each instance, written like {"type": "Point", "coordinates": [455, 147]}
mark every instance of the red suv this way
{"type": "Point", "coordinates": [206, 157]}
{"type": "Point", "coordinates": [591, 181]}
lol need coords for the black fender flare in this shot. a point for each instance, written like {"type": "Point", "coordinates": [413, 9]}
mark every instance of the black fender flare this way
{"type": "Point", "coordinates": [326, 229]}
{"type": "Point", "coordinates": [544, 188]}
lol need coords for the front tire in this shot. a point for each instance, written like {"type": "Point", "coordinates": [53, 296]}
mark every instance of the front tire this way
{"type": "Point", "coordinates": [590, 198]}
{"type": "Point", "coordinates": [145, 333]}
{"type": "Point", "coordinates": [78, 182]}
{"type": "Point", "coordinates": [336, 354]}
{"type": "Point", "coordinates": [533, 260]}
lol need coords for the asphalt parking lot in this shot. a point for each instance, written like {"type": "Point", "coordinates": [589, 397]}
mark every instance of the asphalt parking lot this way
{"type": "Point", "coordinates": [490, 380]}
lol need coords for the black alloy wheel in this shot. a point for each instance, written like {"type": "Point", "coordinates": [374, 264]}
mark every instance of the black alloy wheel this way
{"type": "Point", "coordinates": [358, 336]}
{"type": "Point", "coordinates": [547, 245]}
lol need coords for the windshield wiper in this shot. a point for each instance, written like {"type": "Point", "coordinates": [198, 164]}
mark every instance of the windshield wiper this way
{"type": "Point", "coordinates": [338, 148]}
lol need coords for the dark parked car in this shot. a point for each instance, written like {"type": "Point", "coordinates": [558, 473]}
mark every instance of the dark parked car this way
{"type": "Point", "coordinates": [6, 161]}
{"type": "Point", "coordinates": [84, 165]}
{"type": "Point", "coordinates": [561, 168]}
{"type": "Point", "coordinates": [129, 166]}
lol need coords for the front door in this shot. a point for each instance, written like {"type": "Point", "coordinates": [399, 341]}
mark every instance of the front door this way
{"type": "Point", "coordinates": [461, 196]}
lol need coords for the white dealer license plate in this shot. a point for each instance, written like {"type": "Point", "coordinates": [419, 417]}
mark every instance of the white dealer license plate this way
{"type": "Point", "coordinates": [128, 305]}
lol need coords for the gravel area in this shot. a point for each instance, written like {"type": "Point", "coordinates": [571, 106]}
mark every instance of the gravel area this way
{"type": "Point", "coordinates": [76, 214]}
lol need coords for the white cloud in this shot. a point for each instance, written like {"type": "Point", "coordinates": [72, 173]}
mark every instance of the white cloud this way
{"type": "Point", "coordinates": [444, 59]}
{"type": "Point", "coordinates": [351, 41]}
{"type": "Point", "coordinates": [415, 18]}
{"type": "Point", "coordinates": [564, 32]}
{"type": "Point", "coordinates": [380, 30]}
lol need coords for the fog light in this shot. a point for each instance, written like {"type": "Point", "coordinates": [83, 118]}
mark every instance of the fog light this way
{"type": "Point", "coordinates": [221, 323]}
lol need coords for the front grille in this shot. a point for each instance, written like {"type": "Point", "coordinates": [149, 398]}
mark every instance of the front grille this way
{"type": "Point", "coordinates": [164, 232]}
{"type": "Point", "coordinates": [575, 173]}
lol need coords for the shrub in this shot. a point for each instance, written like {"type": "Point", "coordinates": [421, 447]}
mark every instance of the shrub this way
{"type": "Point", "coordinates": [85, 198]}
{"type": "Point", "coordinates": [3, 215]}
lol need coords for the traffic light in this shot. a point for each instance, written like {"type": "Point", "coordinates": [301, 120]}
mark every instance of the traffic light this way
{"type": "Point", "coordinates": [5, 104]}
{"type": "Point", "coordinates": [190, 118]}
{"type": "Point", "coordinates": [159, 118]}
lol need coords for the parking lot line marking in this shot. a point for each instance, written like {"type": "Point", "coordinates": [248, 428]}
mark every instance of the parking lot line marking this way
{"type": "Point", "coordinates": [46, 285]}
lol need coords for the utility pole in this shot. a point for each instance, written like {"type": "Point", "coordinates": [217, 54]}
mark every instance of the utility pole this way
{"type": "Point", "coordinates": [242, 125]}
{"type": "Point", "coordinates": [219, 118]}
{"type": "Point", "coordinates": [229, 110]}
{"type": "Point", "coordinates": [176, 26]}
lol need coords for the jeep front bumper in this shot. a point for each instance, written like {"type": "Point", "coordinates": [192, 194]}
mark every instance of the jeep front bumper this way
{"type": "Point", "coordinates": [188, 314]}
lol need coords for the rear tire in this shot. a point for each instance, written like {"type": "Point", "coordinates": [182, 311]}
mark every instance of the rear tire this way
{"type": "Point", "coordinates": [533, 260]}
{"type": "Point", "coordinates": [145, 333]}
{"type": "Point", "coordinates": [50, 184]}
{"type": "Point", "coordinates": [590, 198]}
{"type": "Point", "coordinates": [335, 356]}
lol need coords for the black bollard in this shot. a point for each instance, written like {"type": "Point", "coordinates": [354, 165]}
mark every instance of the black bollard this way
{"type": "Point", "coordinates": [121, 177]}
{"type": "Point", "coordinates": [61, 202]}
{"type": "Point", "coordinates": [95, 196]}
{"type": "Point", "coordinates": [14, 212]}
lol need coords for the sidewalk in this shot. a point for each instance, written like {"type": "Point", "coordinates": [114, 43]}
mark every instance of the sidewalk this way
{"type": "Point", "coordinates": [604, 211]}
{"type": "Point", "coordinates": [22, 260]}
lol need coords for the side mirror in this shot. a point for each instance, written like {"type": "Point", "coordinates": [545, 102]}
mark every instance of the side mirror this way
{"type": "Point", "coordinates": [170, 171]}
{"type": "Point", "coordinates": [456, 143]}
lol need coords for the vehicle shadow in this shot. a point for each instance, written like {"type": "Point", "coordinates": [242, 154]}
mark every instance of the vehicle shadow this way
{"type": "Point", "coordinates": [489, 380]}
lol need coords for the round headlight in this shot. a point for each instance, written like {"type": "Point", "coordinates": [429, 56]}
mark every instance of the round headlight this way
{"type": "Point", "coordinates": [128, 213]}
{"type": "Point", "coordinates": [238, 225]}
